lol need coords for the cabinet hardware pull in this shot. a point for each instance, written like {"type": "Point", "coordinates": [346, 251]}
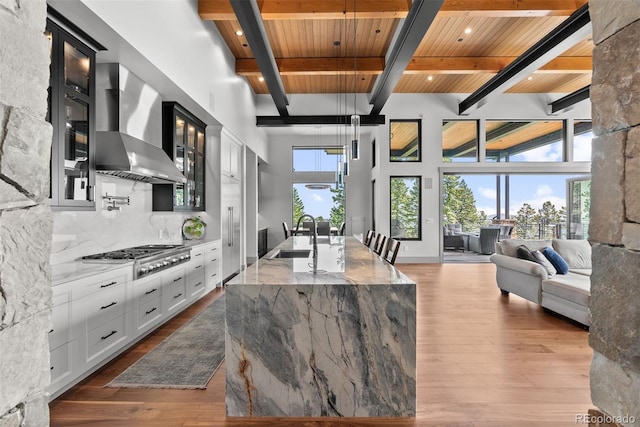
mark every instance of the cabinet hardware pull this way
{"type": "Point", "coordinates": [51, 368]}
{"type": "Point", "coordinates": [108, 305]}
{"type": "Point", "coordinates": [214, 274]}
{"type": "Point", "coordinates": [151, 291]}
{"type": "Point", "coordinates": [214, 260]}
{"type": "Point", "coordinates": [197, 284]}
{"type": "Point", "coordinates": [178, 296]}
{"type": "Point", "coordinates": [178, 279]}
{"type": "Point", "coordinates": [151, 311]}
{"type": "Point", "coordinates": [109, 284]}
{"type": "Point", "coordinates": [51, 331]}
{"type": "Point", "coordinates": [108, 335]}
{"type": "Point", "coordinates": [200, 254]}
{"type": "Point", "coordinates": [198, 266]}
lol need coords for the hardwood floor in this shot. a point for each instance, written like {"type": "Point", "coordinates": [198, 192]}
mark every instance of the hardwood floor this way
{"type": "Point", "coordinates": [483, 360]}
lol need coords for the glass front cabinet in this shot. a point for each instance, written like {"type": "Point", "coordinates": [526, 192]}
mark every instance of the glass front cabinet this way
{"type": "Point", "coordinates": [183, 139]}
{"type": "Point", "coordinates": [71, 112]}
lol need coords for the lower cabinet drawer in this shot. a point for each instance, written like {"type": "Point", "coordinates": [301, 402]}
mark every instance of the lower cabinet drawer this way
{"type": "Point", "coordinates": [106, 337]}
{"type": "Point", "coordinates": [60, 363]}
{"type": "Point", "coordinates": [148, 312]}
{"type": "Point", "coordinates": [175, 294]}
{"type": "Point", "coordinates": [104, 306]}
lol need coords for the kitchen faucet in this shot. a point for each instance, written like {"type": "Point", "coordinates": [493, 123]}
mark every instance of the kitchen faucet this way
{"type": "Point", "coordinates": [315, 240]}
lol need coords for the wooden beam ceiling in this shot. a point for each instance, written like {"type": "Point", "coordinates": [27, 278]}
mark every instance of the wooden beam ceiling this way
{"type": "Point", "coordinates": [431, 65]}
{"type": "Point", "coordinates": [220, 10]}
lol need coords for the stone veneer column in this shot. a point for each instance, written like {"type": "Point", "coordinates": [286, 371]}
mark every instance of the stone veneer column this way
{"type": "Point", "coordinates": [615, 211]}
{"type": "Point", "coordinates": [25, 217]}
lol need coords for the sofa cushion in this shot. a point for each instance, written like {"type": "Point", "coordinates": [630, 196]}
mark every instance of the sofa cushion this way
{"type": "Point", "coordinates": [573, 287]}
{"type": "Point", "coordinates": [556, 260]}
{"type": "Point", "coordinates": [581, 271]}
{"type": "Point", "coordinates": [543, 261]}
{"type": "Point", "coordinates": [509, 246]}
{"type": "Point", "coordinates": [577, 253]}
{"type": "Point", "coordinates": [523, 252]}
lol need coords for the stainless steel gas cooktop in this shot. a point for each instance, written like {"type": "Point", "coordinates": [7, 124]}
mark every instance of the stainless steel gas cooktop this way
{"type": "Point", "coordinates": [147, 259]}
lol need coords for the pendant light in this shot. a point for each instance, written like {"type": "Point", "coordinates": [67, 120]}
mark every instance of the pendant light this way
{"type": "Point", "coordinates": [355, 118]}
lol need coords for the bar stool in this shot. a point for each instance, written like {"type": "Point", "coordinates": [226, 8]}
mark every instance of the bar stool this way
{"type": "Point", "coordinates": [368, 237]}
{"type": "Point", "coordinates": [378, 247]}
{"type": "Point", "coordinates": [393, 246]}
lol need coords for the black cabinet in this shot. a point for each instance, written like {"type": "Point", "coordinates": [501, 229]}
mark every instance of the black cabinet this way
{"type": "Point", "coordinates": [183, 139]}
{"type": "Point", "coordinates": [71, 112]}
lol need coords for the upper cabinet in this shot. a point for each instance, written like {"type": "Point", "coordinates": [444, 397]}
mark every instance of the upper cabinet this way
{"type": "Point", "coordinates": [71, 113]}
{"type": "Point", "coordinates": [183, 139]}
{"type": "Point", "coordinates": [231, 157]}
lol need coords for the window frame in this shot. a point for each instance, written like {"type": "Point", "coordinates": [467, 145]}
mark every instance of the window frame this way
{"type": "Point", "coordinates": [419, 150]}
{"type": "Point", "coordinates": [419, 213]}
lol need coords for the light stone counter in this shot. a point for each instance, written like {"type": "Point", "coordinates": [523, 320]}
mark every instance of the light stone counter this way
{"type": "Point", "coordinates": [340, 343]}
{"type": "Point", "coordinates": [68, 271]}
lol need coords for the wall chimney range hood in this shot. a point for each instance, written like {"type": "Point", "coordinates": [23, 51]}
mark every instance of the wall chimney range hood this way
{"type": "Point", "coordinates": [124, 156]}
{"type": "Point", "coordinates": [129, 112]}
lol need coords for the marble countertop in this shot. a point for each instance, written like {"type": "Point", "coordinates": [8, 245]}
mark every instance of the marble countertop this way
{"type": "Point", "coordinates": [341, 260]}
{"type": "Point", "coordinates": [197, 242]}
{"type": "Point", "coordinates": [68, 271]}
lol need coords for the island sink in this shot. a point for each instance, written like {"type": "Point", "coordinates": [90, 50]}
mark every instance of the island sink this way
{"type": "Point", "coordinates": [292, 253]}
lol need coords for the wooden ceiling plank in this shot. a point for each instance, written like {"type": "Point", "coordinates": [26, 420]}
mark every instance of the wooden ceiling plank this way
{"type": "Point", "coordinates": [221, 10]}
{"type": "Point", "coordinates": [313, 66]}
{"type": "Point", "coordinates": [510, 8]}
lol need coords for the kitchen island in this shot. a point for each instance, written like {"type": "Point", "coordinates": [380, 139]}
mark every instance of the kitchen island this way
{"type": "Point", "coordinates": [338, 343]}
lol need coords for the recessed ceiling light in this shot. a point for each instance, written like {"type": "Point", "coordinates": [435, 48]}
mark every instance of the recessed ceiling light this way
{"type": "Point", "coordinates": [429, 78]}
{"type": "Point", "coordinates": [239, 33]}
{"type": "Point", "coordinates": [467, 30]}
{"type": "Point", "coordinates": [260, 79]}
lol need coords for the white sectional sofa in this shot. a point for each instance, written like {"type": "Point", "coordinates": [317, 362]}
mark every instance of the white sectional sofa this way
{"type": "Point", "coordinates": [566, 294]}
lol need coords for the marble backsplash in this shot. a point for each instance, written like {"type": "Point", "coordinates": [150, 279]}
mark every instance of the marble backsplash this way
{"type": "Point", "coordinates": [79, 233]}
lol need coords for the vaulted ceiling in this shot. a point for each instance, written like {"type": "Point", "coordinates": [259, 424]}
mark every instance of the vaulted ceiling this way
{"type": "Point", "coordinates": [324, 47]}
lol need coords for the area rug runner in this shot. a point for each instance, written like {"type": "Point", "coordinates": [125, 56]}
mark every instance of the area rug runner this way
{"type": "Point", "coordinates": [187, 359]}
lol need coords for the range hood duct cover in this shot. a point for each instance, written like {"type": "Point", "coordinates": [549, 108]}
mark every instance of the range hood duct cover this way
{"type": "Point", "coordinates": [124, 156]}
{"type": "Point", "coordinates": [129, 114]}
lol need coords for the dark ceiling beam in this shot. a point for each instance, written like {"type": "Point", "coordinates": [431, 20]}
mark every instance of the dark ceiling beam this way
{"type": "Point", "coordinates": [248, 15]}
{"type": "Point", "coordinates": [284, 121]}
{"type": "Point", "coordinates": [569, 100]}
{"type": "Point", "coordinates": [413, 30]}
{"type": "Point", "coordinates": [573, 30]}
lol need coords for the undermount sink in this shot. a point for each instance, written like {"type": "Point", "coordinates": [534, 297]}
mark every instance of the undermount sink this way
{"type": "Point", "coordinates": [292, 253]}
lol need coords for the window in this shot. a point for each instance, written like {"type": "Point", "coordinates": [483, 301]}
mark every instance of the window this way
{"type": "Point", "coordinates": [322, 200]}
{"type": "Point", "coordinates": [460, 141]}
{"type": "Point", "coordinates": [405, 202]}
{"type": "Point", "coordinates": [317, 159]}
{"type": "Point", "coordinates": [582, 136]}
{"type": "Point", "coordinates": [71, 113]}
{"type": "Point", "coordinates": [530, 141]}
{"type": "Point", "coordinates": [405, 141]}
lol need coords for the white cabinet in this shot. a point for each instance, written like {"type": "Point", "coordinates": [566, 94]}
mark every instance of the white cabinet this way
{"type": "Point", "coordinates": [231, 158]}
{"type": "Point", "coordinates": [148, 302]}
{"type": "Point", "coordinates": [89, 325]}
{"type": "Point", "coordinates": [212, 255]}
{"type": "Point", "coordinates": [196, 273]}
{"type": "Point", "coordinates": [174, 290]}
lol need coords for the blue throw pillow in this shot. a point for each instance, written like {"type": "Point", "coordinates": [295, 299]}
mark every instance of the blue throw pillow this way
{"type": "Point", "coordinates": [556, 260]}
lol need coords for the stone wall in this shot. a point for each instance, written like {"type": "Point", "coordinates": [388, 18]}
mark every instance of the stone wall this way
{"type": "Point", "coordinates": [25, 218]}
{"type": "Point", "coordinates": [615, 210]}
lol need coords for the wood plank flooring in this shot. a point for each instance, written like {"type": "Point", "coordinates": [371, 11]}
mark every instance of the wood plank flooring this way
{"type": "Point", "coordinates": [484, 360]}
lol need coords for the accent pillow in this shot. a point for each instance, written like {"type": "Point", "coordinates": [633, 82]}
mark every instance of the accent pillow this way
{"type": "Point", "coordinates": [556, 260]}
{"type": "Point", "coordinates": [523, 252]}
{"type": "Point", "coordinates": [543, 261]}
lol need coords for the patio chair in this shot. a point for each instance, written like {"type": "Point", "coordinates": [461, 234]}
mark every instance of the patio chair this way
{"type": "Point", "coordinates": [485, 242]}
